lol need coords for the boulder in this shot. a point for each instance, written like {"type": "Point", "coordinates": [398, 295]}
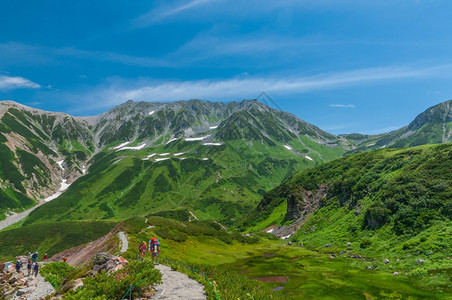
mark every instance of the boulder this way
{"type": "Point", "coordinates": [77, 283]}
{"type": "Point", "coordinates": [108, 263]}
{"type": "Point", "coordinates": [102, 258]}
{"type": "Point", "coordinates": [420, 261]}
{"type": "Point", "coordinates": [396, 274]}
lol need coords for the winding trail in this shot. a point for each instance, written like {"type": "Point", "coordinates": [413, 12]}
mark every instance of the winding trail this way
{"type": "Point", "coordinates": [124, 241]}
{"type": "Point", "coordinates": [177, 285]}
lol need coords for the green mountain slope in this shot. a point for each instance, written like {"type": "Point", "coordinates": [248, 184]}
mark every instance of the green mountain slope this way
{"type": "Point", "coordinates": [397, 199]}
{"type": "Point", "coordinates": [433, 126]}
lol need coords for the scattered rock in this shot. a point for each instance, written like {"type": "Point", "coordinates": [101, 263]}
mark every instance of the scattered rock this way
{"type": "Point", "coordinates": [108, 263]}
{"type": "Point", "coordinates": [289, 243]}
{"type": "Point", "coordinates": [77, 283]}
{"type": "Point", "coordinates": [20, 293]}
{"type": "Point", "coordinates": [408, 255]}
{"type": "Point", "coordinates": [396, 274]}
{"type": "Point", "coordinates": [386, 261]}
{"type": "Point", "coordinates": [328, 245]}
{"type": "Point", "coordinates": [397, 259]}
{"type": "Point", "coordinates": [420, 261]}
{"type": "Point", "coordinates": [349, 248]}
{"type": "Point", "coordinates": [369, 268]}
{"type": "Point", "coordinates": [348, 244]}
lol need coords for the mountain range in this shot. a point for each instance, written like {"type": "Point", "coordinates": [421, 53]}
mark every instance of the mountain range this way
{"type": "Point", "coordinates": [194, 158]}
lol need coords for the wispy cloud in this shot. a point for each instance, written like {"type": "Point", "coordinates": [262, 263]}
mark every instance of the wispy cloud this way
{"type": "Point", "coordinates": [11, 83]}
{"type": "Point", "coordinates": [118, 90]}
{"type": "Point", "coordinates": [113, 57]}
{"type": "Point", "coordinates": [343, 105]}
{"type": "Point", "coordinates": [159, 14]}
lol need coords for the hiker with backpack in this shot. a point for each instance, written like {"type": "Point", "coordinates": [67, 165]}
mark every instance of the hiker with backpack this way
{"type": "Point", "coordinates": [34, 257]}
{"type": "Point", "coordinates": [18, 266]}
{"type": "Point", "coordinates": [36, 269]}
{"type": "Point", "coordinates": [154, 247]}
{"type": "Point", "coordinates": [142, 249]}
{"type": "Point", "coordinates": [29, 265]}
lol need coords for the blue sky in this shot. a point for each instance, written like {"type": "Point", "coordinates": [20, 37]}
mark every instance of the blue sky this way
{"type": "Point", "coordinates": [345, 66]}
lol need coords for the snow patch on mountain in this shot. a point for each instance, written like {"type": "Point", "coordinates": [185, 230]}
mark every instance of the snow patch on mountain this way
{"type": "Point", "coordinates": [121, 145]}
{"type": "Point", "coordinates": [172, 140]}
{"type": "Point", "coordinates": [288, 147]}
{"type": "Point", "coordinates": [60, 163]}
{"type": "Point", "coordinates": [63, 186]}
{"type": "Point", "coordinates": [133, 148]}
{"type": "Point", "coordinates": [196, 138]}
{"type": "Point", "coordinates": [212, 144]}
{"type": "Point", "coordinates": [161, 159]}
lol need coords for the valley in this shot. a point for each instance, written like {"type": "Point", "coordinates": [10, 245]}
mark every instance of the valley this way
{"type": "Point", "coordinates": [265, 204]}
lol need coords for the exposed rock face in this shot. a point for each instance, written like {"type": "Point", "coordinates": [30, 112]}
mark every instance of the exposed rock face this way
{"type": "Point", "coordinates": [108, 263]}
{"type": "Point", "coordinates": [303, 202]}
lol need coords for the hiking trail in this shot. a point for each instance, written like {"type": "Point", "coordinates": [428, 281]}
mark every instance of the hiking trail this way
{"type": "Point", "coordinates": [124, 241]}
{"type": "Point", "coordinates": [40, 289]}
{"type": "Point", "coordinates": [177, 285]}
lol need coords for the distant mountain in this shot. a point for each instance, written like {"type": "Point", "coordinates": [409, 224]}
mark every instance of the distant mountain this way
{"type": "Point", "coordinates": [202, 152]}
{"type": "Point", "coordinates": [433, 126]}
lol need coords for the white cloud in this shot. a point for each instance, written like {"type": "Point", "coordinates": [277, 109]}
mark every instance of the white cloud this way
{"type": "Point", "coordinates": [117, 91]}
{"type": "Point", "coordinates": [11, 83]}
{"type": "Point", "coordinates": [159, 14]}
{"type": "Point", "coordinates": [343, 105]}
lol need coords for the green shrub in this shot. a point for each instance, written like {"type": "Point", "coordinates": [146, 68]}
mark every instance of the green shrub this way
{"type": "Point", "coordinates": [56, 272]}
{"type": "Point", "coordinates": [115, 285]}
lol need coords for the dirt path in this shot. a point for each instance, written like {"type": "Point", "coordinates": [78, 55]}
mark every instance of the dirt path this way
{"type": "Point", "coordinates": [124, 241]}
{"type": "Point", "coordinates": [178, 286]}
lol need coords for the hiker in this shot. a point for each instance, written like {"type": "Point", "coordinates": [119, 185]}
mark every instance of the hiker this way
{"type": "Point", "coordinates": [36, 269]}
{"type": "Point", "coordinates": [29, 256]}
{"type": "Point", "coordinates": [45, 256]}
{"type": "Point", "coordinates": [155, 250]}
{"type": "Point", "coordinates": [142, 249]}
{"type": "Point", "coordinates": [34, 257]}
{"type": "Point", "coordinates": [64, 259]}
{"type": "Point", "coordinates": [29, 265]}
{"type": "Point", "coordinates": [18, 266]}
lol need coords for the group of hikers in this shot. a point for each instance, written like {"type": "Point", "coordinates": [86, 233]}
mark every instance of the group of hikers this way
{"type": "Point", "coordinates": [154, 247]}
{"type": "Point", "coordinates": [32, 263]}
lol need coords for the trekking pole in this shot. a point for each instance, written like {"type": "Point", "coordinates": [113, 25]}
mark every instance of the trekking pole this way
{"type": "Point", "coordinates": [130, 293]}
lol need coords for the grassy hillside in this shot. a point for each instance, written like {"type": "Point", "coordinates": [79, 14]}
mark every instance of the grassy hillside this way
{"type": "Point", "coordinates": [396, 200]}
{"type": "Point", "coordinates": [50, 238]}
{"type": "Point", "coordinates": [213, 182]}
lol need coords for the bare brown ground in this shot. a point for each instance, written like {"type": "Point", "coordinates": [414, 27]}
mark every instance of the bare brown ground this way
{"type": "Point", "coordinates": [269, 255]}
{"type": "Point", "coordinates": [282, 279]}
{"type": "Point", "coordinates": [83, 254]}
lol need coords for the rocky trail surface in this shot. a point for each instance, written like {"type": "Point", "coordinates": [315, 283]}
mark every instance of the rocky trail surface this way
{"type": "Point", "coordinates": [177, 285]}
{"type": "Point", "coordinates": [124, 241]}
{"type": "Point", "coordinates": [38, 288]}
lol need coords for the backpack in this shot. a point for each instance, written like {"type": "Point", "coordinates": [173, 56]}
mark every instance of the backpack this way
{"type": "Point", "coordinates": [18, 265]}
{"type": "Point", "coordinates": [155, 246]}
{"type": "Point", "coordinates": [36, 267]}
